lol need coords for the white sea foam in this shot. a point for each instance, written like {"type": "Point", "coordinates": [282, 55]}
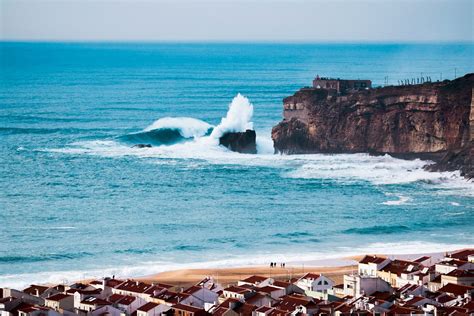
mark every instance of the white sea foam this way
{"type": "Point", "coordinates": [454, 203]}
{"type": "Point", "coordinates": [293, 260]}
{"type": "Point", "coordinates": [401, 200]}
{"type": "Point", "coordinates": [187, 126]}
{"type": "Point", "coordinates": [343, 168]}
{"type": "Point", "coordinates": [238, 118]}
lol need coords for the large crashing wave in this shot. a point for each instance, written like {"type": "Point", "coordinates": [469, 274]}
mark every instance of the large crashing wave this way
{"type": "Point", "coordinates": [173, 130]}
{"type": "Point", "coordinates": [169, 130]}
{"type": "Point", "coordinates": [238, 118]}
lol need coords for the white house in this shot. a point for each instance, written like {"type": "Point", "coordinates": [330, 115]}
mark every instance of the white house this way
{"type": "Point", "coordinates": [202, 294]}
{"type": "Point", "coordinates": [369, 265]}
{"type": "Point", "coordinates": [418, 277]}
{"type": "Point", "coordinates": [273, 291]}
{"type": "Point", "coordinates": [237, 292]}
{"type": "Point", "coordinates": [315, 282]}
{"type": "Point", "coordinates": [448, 265]}
{"type": "Point", "coordinates": [92, 303]}
{"type": "Point", "coordinates": [60, 302]}
{"type": "Point", "coordinates": [358, 285]}
{"type": "Point", "coordinates": [210, 284]}
{"type": "Point", "coordinates": [126, 303]}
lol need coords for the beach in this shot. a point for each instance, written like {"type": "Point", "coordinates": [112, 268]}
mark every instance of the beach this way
{"type": "Point", "coordinates": [225, 276]}
{"type": "Point", "coordinates": [333, 268]}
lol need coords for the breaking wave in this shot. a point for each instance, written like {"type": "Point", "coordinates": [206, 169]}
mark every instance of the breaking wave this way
{"type": "Point", "coordinates": [173, 130]}
{"type": "Point", "coordinates": [174, 139]}
{"type": "Point", "coordinates": [168, 131]}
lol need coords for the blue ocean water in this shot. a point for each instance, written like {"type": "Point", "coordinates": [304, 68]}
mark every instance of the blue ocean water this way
{"type": "Point", "coordinates": [76, 200]}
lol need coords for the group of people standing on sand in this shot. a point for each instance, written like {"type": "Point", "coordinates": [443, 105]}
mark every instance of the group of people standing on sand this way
{"type": "Point", "coordinates": [274, 264]}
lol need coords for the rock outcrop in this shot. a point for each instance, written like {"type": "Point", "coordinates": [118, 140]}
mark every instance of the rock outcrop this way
{"type": "Point", "coordinates": [430, 120]}
{"type": "Point", "coordinates": [457, 159]}
{"type": "Point", "coordinates": [242, 142]}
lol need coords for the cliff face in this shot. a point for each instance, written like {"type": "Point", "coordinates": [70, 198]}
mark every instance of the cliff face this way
{"type": "Point", "coordinates": [426, 120]}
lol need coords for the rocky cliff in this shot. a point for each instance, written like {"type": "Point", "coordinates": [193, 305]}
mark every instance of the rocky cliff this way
{"type": "Point", "coordinates": [429, 120]}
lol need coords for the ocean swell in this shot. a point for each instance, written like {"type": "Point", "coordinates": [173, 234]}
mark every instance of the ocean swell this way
{"type": "Point", "coordinates": [168, 131]}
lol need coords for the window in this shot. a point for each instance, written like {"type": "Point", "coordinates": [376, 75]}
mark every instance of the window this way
{"type": "Point", "coordinates": [326, 282]}
{"type": "Point", "coordinates": [319, 283]}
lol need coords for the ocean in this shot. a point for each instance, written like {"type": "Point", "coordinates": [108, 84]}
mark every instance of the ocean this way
{"type": "Point", "coordinates": [78, 200]}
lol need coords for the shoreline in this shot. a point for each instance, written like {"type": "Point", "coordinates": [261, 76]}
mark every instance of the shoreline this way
{"type": "Point", "coordinates": [226, 276]}
{"type": "Point", "coordinates": [189, 274]}
{"type": "Point", "coordinates": [334, 268]}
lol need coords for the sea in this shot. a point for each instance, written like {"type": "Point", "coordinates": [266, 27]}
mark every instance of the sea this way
{"type": "Point", "coordinates": [78, 200]}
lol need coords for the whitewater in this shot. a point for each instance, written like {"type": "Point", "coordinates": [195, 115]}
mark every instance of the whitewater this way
{"type": "Point", "coordinates": [79, 198]}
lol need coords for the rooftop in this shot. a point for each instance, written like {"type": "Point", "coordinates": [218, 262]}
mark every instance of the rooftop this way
{"type": "Point", "coordinates": [372, 259]}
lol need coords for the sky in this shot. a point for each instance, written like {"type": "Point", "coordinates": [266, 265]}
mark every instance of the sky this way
{"type": "Point", "coordinates": [238, 20]}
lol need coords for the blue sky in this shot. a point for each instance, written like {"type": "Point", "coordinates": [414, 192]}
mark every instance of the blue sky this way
{"type": "Point", "coordinates": [238, 20]}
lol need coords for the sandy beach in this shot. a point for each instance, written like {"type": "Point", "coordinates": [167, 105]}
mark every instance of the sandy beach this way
{"type": "Point", "coordinates": [186, 277]}
{"type": "Point", "coordinates": [334, 268]}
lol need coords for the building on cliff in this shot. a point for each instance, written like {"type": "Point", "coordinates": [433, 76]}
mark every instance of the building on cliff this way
{"type": "Point", "coordinates": [340, 86]}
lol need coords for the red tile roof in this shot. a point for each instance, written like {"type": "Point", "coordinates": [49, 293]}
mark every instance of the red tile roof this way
{"type": "Point", "coordinates": [278, 312]}
{"type": "Point", "coordinates": [147, 307]}
{"type": "Point", "coordinates": [400, 266]}
{"type": "Point", "coordinates": [255, 279]}
{"type": "Point", "coordinates": [219, 311]}
{"type": "Point", "coordinates": [456, 289]}
{"type": "Point", "coordinates": [121, 299]}
{"type": "Point", "coordinates": [290, 302]}
{"type": "Point", "coordinates": [462, 254]}
{"type": "Point", "coordinates": [188, 308]}
{"type": "Point", "coordinates": [372, 259]}
{"type": "Point", "coordinates": [282, 284]}
{"type": "Point", "coordinates": [135, 286]}
{"type": "Point", "coordinates": [35, 290]}
{"type": "Point", "coordinates": [461, 273]}
{"type": "Point", "coordinates": [310, 276]}
{"type": "Point", "coordinates": [269, 289]}
{"type": "Point", "coordinates": [237, 289]}
{"type": "Point", "coordinates": [95, 301]}
{"type": "Point", "coordinates": [84, 292]}
{"type": "Point", "coordinates": [58, 297]}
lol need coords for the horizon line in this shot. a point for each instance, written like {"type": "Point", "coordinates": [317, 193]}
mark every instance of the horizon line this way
{"type": "Point", "coordinates": [236, 41]}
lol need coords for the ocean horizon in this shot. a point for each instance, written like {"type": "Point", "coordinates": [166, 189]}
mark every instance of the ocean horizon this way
{"type": "Point", "coordinates": [78, 200]}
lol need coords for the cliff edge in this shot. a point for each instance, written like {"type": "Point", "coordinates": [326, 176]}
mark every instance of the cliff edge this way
{"type": "Point", "coordinates": [428, 121]}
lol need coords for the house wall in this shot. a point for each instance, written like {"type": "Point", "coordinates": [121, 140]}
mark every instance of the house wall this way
{"type": "Point", "coordinates": [445, 279]}
{"type": "Point", "coordinates": [205, 296]}
{"type": "Point", "coordinates": [356, 285]}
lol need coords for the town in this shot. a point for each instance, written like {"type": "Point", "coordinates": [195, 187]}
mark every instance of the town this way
{"type": "Point", "coordinates": [378, 286]}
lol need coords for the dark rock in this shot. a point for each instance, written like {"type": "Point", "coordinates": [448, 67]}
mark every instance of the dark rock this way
{"type": "Point", "coordinates": [242, 142]}
{"type": "Point", "coordinates": [142, 146]}
{"type": "Point", "coordinates": [428, 121]}
{"type": "Point", "coordinates": [459, 159]}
